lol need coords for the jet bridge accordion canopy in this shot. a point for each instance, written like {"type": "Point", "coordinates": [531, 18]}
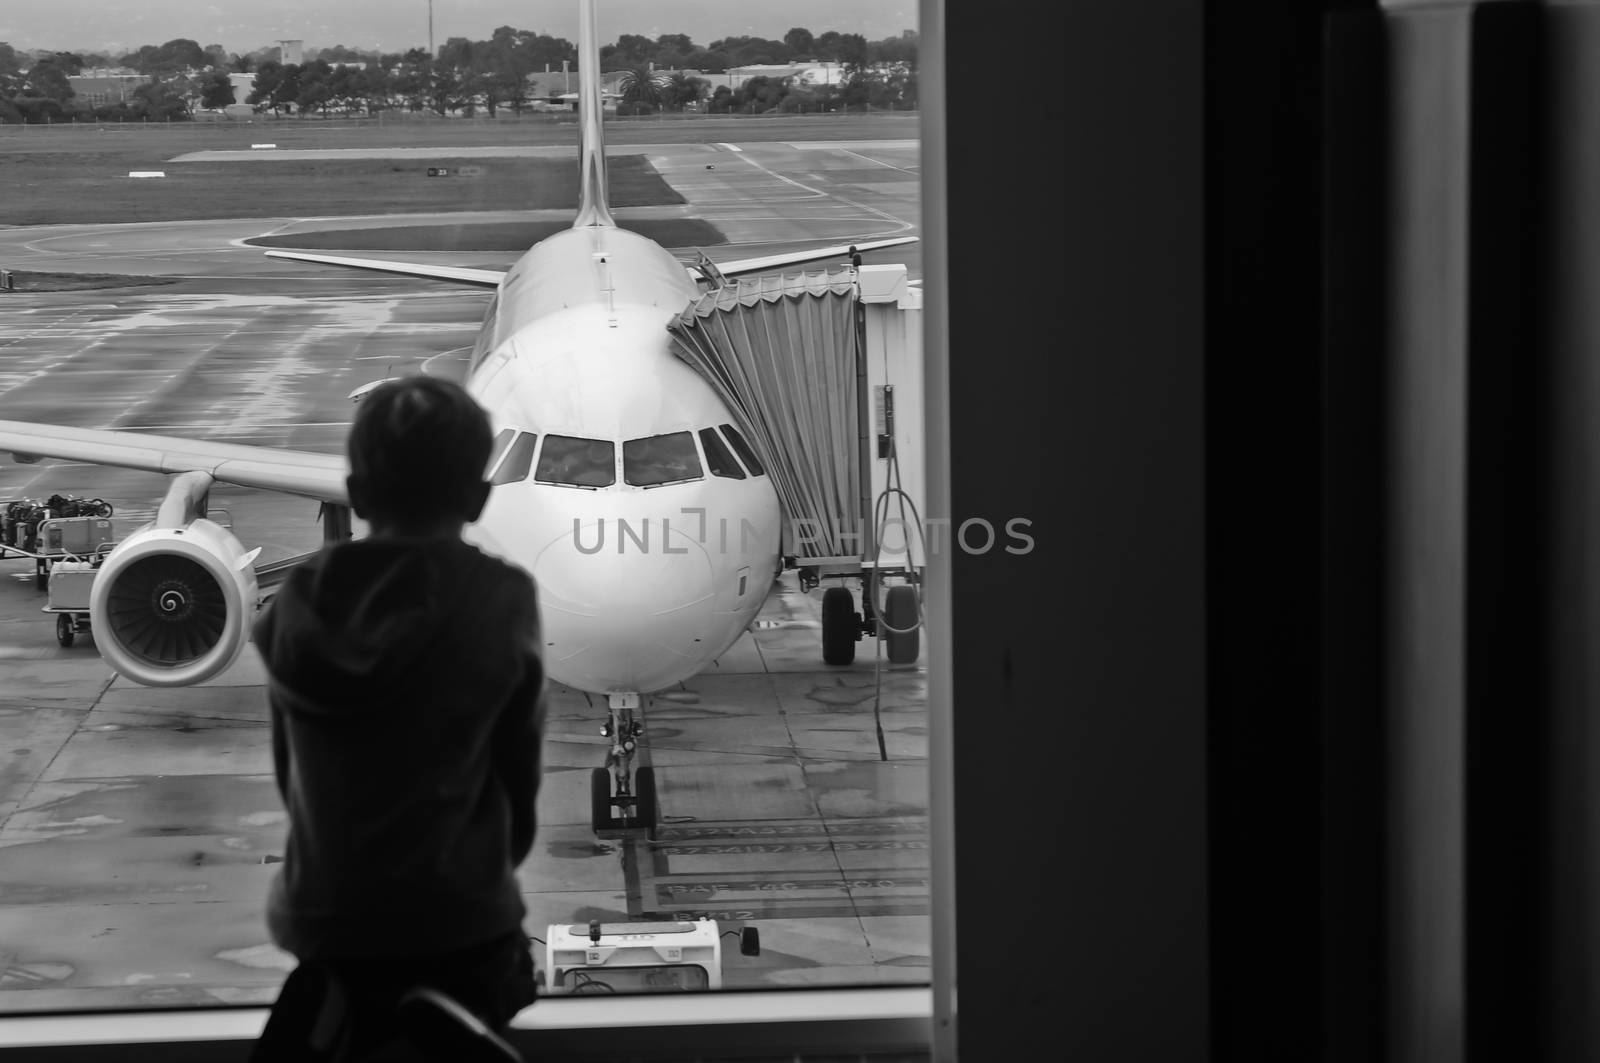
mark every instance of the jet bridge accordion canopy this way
{"type": "Point", "coordinates": [784, 352]}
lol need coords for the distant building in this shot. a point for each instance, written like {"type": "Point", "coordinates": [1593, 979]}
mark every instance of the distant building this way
{"type": "Point", "coordinates": [243, 86]}
{"type": "Point", "coordinates": [553, 85]}
{"type": "Point", "coordinates": [291, 53]}
{"type": "Point", "coordinates": [810, 73]}
{"type": "Point", "coordinates": [100, 88]}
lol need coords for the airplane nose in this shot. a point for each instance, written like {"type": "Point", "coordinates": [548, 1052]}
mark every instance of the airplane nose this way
{"type": "Point", "coordinates": [624, 611]}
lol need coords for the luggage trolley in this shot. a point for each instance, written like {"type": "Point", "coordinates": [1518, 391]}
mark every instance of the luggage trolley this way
{"type": "Point", "coordinates": [71, 551]}
{"type": "Point", "coordinates": [62, 529]}
{"type": "Point", "coordinates": [71, 581]}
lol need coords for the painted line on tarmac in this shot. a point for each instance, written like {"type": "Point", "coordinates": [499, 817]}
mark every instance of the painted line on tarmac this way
{"type": "Point", "coordinates": [730, 147]}
{"type": "Point", "coordinates": [880, 162]}
{"type": "Point", "coordinates": [656, 891]}
{"type": "Point", "coordinates": [816, 193]}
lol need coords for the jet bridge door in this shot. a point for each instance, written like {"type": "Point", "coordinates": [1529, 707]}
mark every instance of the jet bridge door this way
{"type": "Point", "coordinates": [785, 353]}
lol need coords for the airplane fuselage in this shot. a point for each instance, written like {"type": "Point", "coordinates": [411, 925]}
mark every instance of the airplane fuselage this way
{"type": "Point", "coordinates": [641, 584]}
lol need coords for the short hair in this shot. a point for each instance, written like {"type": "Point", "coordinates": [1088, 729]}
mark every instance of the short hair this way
{"type": "Point", "coordinates": [420, 445]}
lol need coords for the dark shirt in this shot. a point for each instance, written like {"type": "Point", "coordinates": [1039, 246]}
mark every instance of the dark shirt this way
{"type": "Point", "coordinates": [407, 698]}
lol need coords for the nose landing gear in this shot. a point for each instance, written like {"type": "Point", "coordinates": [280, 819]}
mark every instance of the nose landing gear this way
{"type": "Point", "coordinates": [619, 797]}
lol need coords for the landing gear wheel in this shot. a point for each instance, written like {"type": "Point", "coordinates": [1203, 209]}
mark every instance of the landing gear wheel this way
{"type": "Point", "coordinates": [41, 575]}
{"type": "Point", "coordinates": [600, 798]}
{"type": "Point", "coordinates": [840, 626]}
{"type": "Point", "coordinates": [901, 612]}
{"type": "Point", "coordinates": [645, 810]}
{"type": "Point", "coordinates": [65, 627]}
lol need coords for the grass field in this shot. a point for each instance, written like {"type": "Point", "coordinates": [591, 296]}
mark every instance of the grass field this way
{"type": "Point", "coordinates": [63, 187]}
{"type": "Point", "coordinates": [157, 141]}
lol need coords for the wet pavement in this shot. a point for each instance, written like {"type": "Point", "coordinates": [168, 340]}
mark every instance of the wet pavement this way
{"type": "Point", "coordinates": [139, 827]}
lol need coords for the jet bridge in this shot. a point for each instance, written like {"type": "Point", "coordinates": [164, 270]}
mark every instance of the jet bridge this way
{"type": "Point", "coordinates": [823, 374]}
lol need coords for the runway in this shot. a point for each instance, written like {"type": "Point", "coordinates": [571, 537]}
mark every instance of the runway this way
{"type": "Point", "coordinates": [139, 827]}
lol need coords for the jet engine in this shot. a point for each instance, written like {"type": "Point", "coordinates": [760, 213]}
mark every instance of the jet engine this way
{"type": "Point", "coordinates": [173, 602]}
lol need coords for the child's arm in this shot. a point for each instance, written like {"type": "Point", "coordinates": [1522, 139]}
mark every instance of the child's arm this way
{"type": "Point", "coordinates": [280, 754]}
{"type": "Point", "coordinates": [518, 740]}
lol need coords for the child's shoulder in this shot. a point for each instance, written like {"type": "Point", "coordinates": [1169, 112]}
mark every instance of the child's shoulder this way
{"type": "Point", "coordinates": [494, 567]}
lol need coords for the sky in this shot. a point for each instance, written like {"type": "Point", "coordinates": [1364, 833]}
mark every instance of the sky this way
{"type": "Point", "coordinates": [395, 25]}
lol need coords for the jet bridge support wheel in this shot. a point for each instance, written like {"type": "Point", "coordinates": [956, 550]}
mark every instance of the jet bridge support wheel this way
{"type": "Point", "coordinates": [900, 612]}
{"type": "Point", "coordinates": [841, 626]}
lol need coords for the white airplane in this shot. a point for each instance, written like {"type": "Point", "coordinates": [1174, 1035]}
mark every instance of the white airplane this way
{"type": "Point", "coordinates": [599, 426]}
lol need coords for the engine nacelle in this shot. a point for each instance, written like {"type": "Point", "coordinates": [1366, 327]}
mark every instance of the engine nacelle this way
{"type": "Point", "coordinates": [173, 605]}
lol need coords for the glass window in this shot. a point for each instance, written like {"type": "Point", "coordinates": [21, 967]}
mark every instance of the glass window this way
{"type": "Point", "coordinates": [664, 459]}
{"type": "Point", "coordinates": [125, 864]}
{"type": "Point", "coordinates": [748, 455]}
{"type": "Point", "coordinates": [501, 441]}
{"type": "Point", "coordinates": [718, 456]}
{"type": "Point", "coordinates": [577, 462]}
{"type": "Point", "coordinates": [517, 463]}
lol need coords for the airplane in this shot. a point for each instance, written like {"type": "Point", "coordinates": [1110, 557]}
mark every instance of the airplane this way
{"type": "Point", "coordinates": [573, 364]}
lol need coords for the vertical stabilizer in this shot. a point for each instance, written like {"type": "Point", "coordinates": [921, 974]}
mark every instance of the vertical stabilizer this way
{"type": "Point", "coordinates": [592, 207]}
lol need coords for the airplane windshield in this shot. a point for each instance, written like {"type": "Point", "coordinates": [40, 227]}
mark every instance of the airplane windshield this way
{"type": "Point", "coordinates": [664, 459]}
{"type": "Point", "coordinates": [577, 462]}
{"type": "Point", "coordinates": [718, 456]}
{"type": "Point", "coordinates": [744, 450]}
{"type": "Point", "coordinates": [518, 461]}
{"type": "Point", "coordinates": [501, 442]}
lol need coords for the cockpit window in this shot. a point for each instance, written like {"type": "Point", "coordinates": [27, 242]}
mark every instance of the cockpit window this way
{"type": "Point", "coordinates": [663, 459]}
{"type": "Point", "coordinates": [744, 450]}
{"type": "Point", "coordinates": [515, 467]}
{"type": "Point", "coordinates": [577, 462]}
{"type": "Point", "coordinates": [718, 456]}
{"type": "Point", "coordinates": [501, 441]}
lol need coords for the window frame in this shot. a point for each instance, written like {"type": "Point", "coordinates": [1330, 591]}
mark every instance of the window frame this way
{"type": "Point", "coordinates": [856, 1019]}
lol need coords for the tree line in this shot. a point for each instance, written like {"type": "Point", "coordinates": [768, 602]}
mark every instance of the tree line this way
{"type": "Point", "coordinates": [463, 76]}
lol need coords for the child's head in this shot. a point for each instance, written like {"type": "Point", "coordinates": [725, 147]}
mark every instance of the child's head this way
{"type": "Point", "coordinates": [418, 451]}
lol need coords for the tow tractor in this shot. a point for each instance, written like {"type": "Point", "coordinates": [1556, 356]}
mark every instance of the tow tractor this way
{"type": "Point", "coordinates": [666, 957]}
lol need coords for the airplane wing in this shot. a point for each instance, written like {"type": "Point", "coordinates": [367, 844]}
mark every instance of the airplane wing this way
{"type": "Point", "coordinates": [483, 278]}
{"type": "Point", "coordinates": [489, 278]}
{"type": "Point", "coordinates": [294, 472]}
{"type": "Point", "coordinates": [790, 258]}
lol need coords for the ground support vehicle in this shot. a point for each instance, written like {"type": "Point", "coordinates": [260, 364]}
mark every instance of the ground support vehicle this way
{"type": "Point", "coordinates": [60, 529]}
{"type": "Point", "coordinates": [665, 957]}
{"type": "Point", "coordinates": [69, 585]}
